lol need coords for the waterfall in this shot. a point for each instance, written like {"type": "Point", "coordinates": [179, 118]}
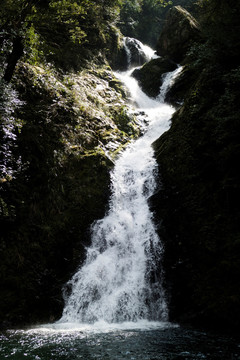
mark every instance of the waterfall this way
{"type": "Point", "coordinates": [121, 279]}
{"type": "Point", "coordinates": [137, 53]}
{"type": "Point", "coordinates": [168, 81]}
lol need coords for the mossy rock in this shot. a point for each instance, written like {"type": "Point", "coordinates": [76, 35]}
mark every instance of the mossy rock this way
{"type": "Point", "coordinates": [68, 131]}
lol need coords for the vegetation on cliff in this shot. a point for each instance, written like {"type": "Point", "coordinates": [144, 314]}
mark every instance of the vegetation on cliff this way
{"type": "Point", "coordinates": [144, 19]}
{"type": "Point", "coordinates": [63, 119]}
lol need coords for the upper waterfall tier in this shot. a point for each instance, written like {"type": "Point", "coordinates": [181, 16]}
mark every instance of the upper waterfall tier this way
{"type": "Point", "coordinates": [137, 52]}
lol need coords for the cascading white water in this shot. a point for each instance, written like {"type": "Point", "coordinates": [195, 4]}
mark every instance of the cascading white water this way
{"type": "Point", "coordinates": [121, 277]}
{"type": "Point", "coordinates": [168, 81]}
{"type": "Point", "coordinates": [137, 52]}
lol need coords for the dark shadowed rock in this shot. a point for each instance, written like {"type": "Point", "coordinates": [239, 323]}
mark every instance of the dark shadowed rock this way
{"type": "Point", "coordinates": [149, 75]}
{"type": "Point", "coordinates": [179, 33]}
{"type": "Point", "coordinates": [182, 86]}
{"type": "Point", "coordinates": [198, 200]}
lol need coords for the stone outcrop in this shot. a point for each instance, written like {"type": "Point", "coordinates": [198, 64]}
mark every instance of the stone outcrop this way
{"type": "Point", "coordinates": [180, 31]}
{"type": "Point", "coordinates": [72, 126]}
{"type": "Point", "coordinates": [149, 75]}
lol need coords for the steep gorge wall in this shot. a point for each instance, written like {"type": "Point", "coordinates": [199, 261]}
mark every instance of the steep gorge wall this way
{"type": "Point", "coordinates": [62, 138]}
{"type": "Point", "coordinates": [198, 201]}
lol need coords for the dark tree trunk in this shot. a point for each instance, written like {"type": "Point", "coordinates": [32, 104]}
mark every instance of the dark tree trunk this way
{"type": "Point", "coordinates": [14, 56]}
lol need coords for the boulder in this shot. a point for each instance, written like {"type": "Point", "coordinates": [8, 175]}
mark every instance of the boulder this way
{"type": "Point", "coordinates": [179, 33]}
{"type": "Point", "coordinates": [149, 75]}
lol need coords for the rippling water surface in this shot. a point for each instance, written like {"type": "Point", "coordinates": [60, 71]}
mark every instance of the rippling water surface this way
{"type": "Point", "coordinates": [145, 341]}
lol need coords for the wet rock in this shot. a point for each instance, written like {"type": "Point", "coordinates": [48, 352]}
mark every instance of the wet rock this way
{"type": "Point", "coordinates": [150, 75]}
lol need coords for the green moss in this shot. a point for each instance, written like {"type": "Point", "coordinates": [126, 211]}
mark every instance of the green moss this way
{"type": "Point", "coordinates": [117, 85]}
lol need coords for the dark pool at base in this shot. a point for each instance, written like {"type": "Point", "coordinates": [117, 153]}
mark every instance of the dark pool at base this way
{"type": "Point", "coordinates": [165, 344]}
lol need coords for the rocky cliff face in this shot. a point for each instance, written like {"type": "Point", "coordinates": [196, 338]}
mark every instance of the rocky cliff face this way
{"type": "Point", "coordinates": [60, 141]}
{"type": "Point", "coordinates": [181, 30]}
{"type": "Point", "coordinates": [199, 192]}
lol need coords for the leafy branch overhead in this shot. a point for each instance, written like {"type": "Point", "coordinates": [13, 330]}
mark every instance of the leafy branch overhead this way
{"type": "Point", "coordinates": [44, 30]}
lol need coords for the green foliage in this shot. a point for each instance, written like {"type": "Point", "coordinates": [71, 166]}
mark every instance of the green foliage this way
{"type": "Point", "coordinates": [129, 17]}
{"type": "Point", "coordinates": [143, 19]}
{"type": "Point", "coordinates": [220, 23]}
{"type": "Point", "coordinates": [62, 32]}
{"type": "Point", "coordinates": [139, 18]}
